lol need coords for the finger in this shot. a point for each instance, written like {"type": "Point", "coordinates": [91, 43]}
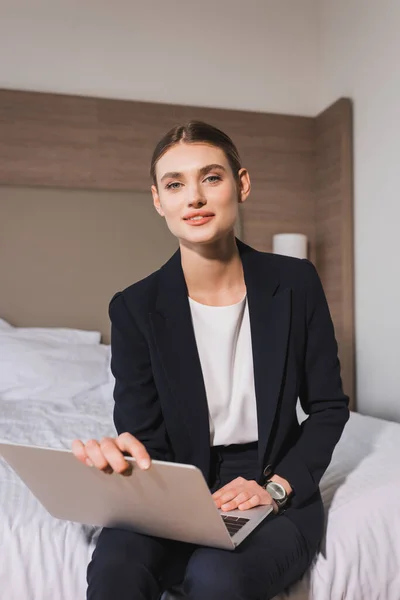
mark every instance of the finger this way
{"type": "Point", "coordinates": [78, 449]}
{"type": "Point", "coordinates": [239, 499]}
{"type": "Point", "coordinates": [217, 502]}
{"type": "Point", "coordinates": [228, 496]}
{"type": "Point", "coordinates": [228, 486]}
{"type": "Point", "coordinates": [95, 456]}
{"type": "Point", "coordinates": [128, 443]}
{"type": "Point", "coordinates": [114, 456]}
{"type": "Point", "coordinates": [221, 491]}
{"type": "Point", "coordinates": [250, 503]}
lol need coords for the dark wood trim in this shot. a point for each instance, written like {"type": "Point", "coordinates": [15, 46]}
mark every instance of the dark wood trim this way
{"type": "Point", "coordinates": [334, 227]}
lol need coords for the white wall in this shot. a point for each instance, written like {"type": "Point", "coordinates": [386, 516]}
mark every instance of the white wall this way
{"type": "Point", "coordinates": [256, 55]}
{"type": "Point", "coordinates": [359, 53]}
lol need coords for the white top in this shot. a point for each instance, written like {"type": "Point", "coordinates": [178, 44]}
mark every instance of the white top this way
{"type": "Point", "coordinates": [224, 344]}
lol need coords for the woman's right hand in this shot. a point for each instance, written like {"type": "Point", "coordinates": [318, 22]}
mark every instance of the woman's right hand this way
{"type": "Point", "coordinates": [107, 455]}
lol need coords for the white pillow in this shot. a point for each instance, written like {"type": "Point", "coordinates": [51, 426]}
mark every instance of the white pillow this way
{"type": "Point", "coordinates": [61, 334]}
{"type": "Point", "coordinates": [47, 369]}
{"type": "Point", "coordinates": [4, 326]}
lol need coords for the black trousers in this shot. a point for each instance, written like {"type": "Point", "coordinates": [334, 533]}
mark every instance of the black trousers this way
{"type": "Point", "coordinates": [131, 566]}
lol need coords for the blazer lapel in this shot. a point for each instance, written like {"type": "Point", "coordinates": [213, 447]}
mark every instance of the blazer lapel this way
{"type": "Point", "coordinates": [176, 343]}
{"type": "Point", "coordinates": [269, 311]}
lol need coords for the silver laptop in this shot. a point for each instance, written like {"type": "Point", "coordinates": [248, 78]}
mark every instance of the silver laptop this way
{"type": "Point", "coordinates": [169, 500]}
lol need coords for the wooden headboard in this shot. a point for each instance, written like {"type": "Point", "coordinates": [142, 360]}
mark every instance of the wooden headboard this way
{"type": "Point", "coordinates": [87, 160]}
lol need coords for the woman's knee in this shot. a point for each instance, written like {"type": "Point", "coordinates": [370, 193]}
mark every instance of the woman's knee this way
{"type": "Point", "coordinates": [123, 566]}
{"type": "Point", "coordinates": [116, 579]}
{"type": "Point", "coordinates": [207, 577]}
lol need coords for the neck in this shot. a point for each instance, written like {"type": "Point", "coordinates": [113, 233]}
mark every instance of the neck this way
{"type": "Point", "coordinates": [213, 272]}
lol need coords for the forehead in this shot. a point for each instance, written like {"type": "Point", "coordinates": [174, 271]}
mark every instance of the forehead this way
{"type": "Point", "coordinates": [190, 157]}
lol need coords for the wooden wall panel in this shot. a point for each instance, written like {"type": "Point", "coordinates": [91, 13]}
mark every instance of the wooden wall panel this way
{"type": "Point", "coordinates": [46, 139]}
{"type": "Point", "coordinates": [73, 250]}
{"type": "Point", "coordinates": [334, 228]}
{"type": "Point", "coordinates": [68, 141]}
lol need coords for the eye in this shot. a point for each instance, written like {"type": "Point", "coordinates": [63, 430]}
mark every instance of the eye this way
{"type": "Point", "coordinates": [213, 178]}
{"type": "Point", "coordinates": [172, 186]}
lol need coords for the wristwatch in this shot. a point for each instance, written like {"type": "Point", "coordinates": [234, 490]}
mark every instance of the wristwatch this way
{"type": "Point", "coordinates": [277, 493]}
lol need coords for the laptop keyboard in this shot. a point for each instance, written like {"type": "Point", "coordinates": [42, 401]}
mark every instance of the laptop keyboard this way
{"type": "Point", "coordinates": [233, 524]}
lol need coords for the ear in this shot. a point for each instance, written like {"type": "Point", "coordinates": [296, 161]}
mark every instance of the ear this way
{"type": "Point", "coordinates": [244, 185]}
{"type": "Point", "coordinates": [156, 201]}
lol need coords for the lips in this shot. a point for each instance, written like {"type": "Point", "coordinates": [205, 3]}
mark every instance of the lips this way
{"type": "Point", "coordinates": [198, 215]}
{"type": "Point", "coordinates": [198, 219]}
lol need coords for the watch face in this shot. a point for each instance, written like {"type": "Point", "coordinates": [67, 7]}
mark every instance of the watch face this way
{"type": "Point", "coordinates": [276, 490]}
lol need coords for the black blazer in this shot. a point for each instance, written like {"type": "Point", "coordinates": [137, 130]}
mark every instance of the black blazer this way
{"type": "Point", "coordinates": [160, 396]}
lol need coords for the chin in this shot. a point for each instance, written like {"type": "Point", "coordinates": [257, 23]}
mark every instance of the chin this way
{"type": "Point", "coordinates": [202, 236]}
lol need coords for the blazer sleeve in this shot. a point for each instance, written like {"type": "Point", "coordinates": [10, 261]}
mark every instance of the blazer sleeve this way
{"type": "Point", "coordinates": [321, 396]}
{"type": "Point", "coordinates": [137, 407]}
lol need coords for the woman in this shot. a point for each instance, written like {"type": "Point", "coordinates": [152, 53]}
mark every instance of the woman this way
{"type": "Point", "coordinates": [210, 354]}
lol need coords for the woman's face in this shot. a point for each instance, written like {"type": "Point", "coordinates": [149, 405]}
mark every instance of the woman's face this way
{"type": "Point", "coordinates": [197, 192]}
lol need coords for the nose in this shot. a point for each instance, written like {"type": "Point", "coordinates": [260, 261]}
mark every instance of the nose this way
{"type": "Point", "coordinates": [196, 197]}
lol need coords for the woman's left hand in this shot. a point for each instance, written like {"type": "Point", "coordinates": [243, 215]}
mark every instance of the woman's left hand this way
{"type": "Point", "coordinates": [242, 494]}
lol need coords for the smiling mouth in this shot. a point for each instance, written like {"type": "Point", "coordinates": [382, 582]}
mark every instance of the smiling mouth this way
{"type": "Point", "coordinates": [198, 217]}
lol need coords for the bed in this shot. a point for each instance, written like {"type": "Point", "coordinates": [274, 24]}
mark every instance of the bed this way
{"type": "Point", "coordinates": [44, 558]}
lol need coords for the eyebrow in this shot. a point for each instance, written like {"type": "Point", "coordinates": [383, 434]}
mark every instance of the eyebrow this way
{"type": "Point", "coordinates": [203, 171]}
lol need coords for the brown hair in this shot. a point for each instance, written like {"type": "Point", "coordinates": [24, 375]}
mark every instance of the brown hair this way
{"type": "Point", "coordinates": [196, 132]}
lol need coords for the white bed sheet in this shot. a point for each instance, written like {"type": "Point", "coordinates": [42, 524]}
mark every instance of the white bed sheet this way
{"type": "Point", "coordinates": [359, 558]}
{"type": "Point", "coordinates": [43, 558]}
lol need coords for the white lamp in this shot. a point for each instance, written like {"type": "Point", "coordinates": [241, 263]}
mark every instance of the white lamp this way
{"type": "Point", "coordinates": [290, 244]}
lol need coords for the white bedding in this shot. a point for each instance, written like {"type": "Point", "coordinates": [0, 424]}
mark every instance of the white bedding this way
{"type": "Point", "coordinates": [46, 559]}
{"type": "Point", "coordinates": [43, 558]}
{"type": "Point", "coordinates": [359, 557]}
